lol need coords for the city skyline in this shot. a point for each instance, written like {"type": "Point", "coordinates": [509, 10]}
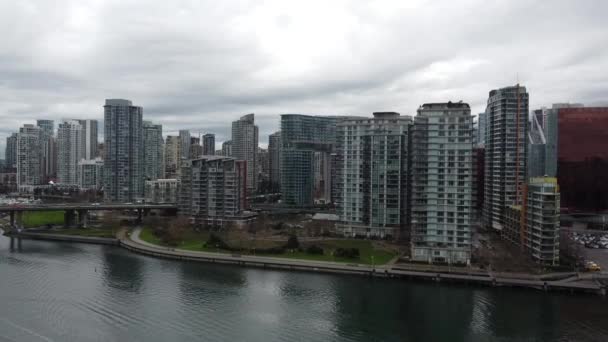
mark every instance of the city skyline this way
{"type": "Point", "coordinates": [321, 70]}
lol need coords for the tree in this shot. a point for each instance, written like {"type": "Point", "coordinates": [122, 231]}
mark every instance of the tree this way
{"type": "Point", "coordinates": [176, 231]}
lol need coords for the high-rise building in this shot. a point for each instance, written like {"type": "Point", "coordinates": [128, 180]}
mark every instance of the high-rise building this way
{"type": "Point", "coordinates": [124, 163]}
{"type": "Point", "coordinates": [213, 190]}
{"type": "Point", "coordinates": [372, 175]}
{"type": "Point", "coordinates": [184, 144]}
{"type": "Point", "coordinates": [47, 132]}
{"type": "Point", "coordinates": [245, 146]}
{"type": "Point", "coordinates": [274, 150]}
{"type": "Point", "coordinates": [172, 156]}
{"type": "Point", "coordinates": [101, 150]}
{"type": "Point", "coordinates": [196, 149]}
{"type": "Point", "coordinates": [89, 137]}
{"type": "Point", "coordinates": [582, 157]}
{"type": "Point", "coordinates": [506, 152]}
{"type": "Point", "coordinates": [11, 151]}
{"type": "Point", "coordinates": [209, 144]}
{"type": "Point", "coordinates": [153, 151]}
{"type": "Point", "coordinates": [481, 129]}
{"type": "Point", "coordinates": [263, 170]}
{"type": "Point", "coordinates": [227, 148]}
{"type": "Point", "coordinates": [51, 154]}
{"type": "Point", "coordinates": [162, 191]}
{"type": "Point", "coordinates": [90, 173]}
{"type": "Point", "coordinates": [28, 156]}
{"type": "Point", "coordinates": [535, 224]}
{"type": "Point", "coordinates": [301, 137]}
{"type": "Point", "coordinates": [537, 145]}
{"type": "Point", "coordinates": [442, 183]}
{"type": "Point", "coordinates": [70, 151]}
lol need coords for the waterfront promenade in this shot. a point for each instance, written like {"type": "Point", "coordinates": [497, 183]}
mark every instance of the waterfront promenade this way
{"type": "Point", "coordinates": [571, 282]}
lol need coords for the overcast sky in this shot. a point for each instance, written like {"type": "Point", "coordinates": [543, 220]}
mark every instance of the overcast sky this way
{"type": "Point", "coordinates": [199, 65]}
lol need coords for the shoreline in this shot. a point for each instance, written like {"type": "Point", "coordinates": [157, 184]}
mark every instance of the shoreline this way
{"type": "Point", "coordinates": [573, 284]}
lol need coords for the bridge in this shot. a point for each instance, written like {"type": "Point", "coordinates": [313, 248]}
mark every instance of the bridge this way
{"type": "Point", "coordinates": [78, 212]}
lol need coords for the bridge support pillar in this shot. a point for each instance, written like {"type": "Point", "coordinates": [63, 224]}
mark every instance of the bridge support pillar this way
{"type": "Point", "coordinates": [83, 216]}
{"type": "Point", "coordinates": [12, 213]}
{"type": "Point", "coordinates": [68, 218]}
{"type": "Point", "coordinates": [19, 220]}
{"type": "Point", "coordinates": [139, 215]}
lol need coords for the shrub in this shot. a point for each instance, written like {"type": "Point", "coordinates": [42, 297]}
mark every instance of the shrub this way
{"type": "Point", "coordinates": [271, 250]}
{"type": "Point", "coordinates": [292, 242]}
{"type": "Point", "coordinates": [216, 242]}
{"type": "Point", "coordinates": [314, 249]}
{"type": "Point", "coordinates": [350, 253]}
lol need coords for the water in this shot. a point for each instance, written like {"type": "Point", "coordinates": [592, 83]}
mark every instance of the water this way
{"type": "Point", "coordinates": [52, 291]}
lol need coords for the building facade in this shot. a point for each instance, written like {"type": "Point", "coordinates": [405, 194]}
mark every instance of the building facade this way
{"type": "Point", "coordinates": [481, 130]}
{"type": "Point", "coordinates": [245, 146]}
{"type": "Point", "coordinates": [213, 190]}
{"type": "Point", "coordinates": [184, 144]}
{"type": "Point", "coordinates": [11, 151]}
{"type": "Point", "coordinates": [372, 175]}
{"type": "Point", "coordinates": [28, 156]}
{"type": "Point", "coordinates": [196, 149]}
{"type": "Point", "coordinates": [274, 151]}
{"type": "Point", "coordinates": [70, 144]}
{"type": "Point", "coordinates": [90, 174]}
{"type": "Point", "coordinates": [301, 137]}
{"type": "Point", "coordinates": [537, 147]}
{"type": "Point", "coordinates": [442, 183]}
{"type": "Point", "coordinates": [47, 132]}
{"type": "Point", "coordinates": [162, 191]}
{"type": "Point", "coordinates": [209, 144]}
{"type": "Point", "coordinates": [89, 137]}
{"type": "Point", "coordinates": [123, 141]}
{"type": "Point", "coordinates": [172, 157]}
{"type": "Point", "coordinates": [582, 157]}
{"type": "Point", "coordinates": [535, 225]}
{"type": "Point", "coordinates": [227, 148]}
{"type": "Point", "coordinates": [153, 151]}
{"type": "Point", "coordinates": [506, 152]}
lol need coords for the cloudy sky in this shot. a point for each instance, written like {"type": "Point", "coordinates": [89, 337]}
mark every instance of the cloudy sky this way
{"type": "Point", "coordinates": [201, 64]}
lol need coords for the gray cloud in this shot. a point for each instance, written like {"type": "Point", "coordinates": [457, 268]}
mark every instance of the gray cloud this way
{"type": "Point", "coordinates": [200, 65]}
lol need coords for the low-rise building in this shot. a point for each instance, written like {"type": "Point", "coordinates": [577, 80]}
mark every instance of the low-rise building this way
{"type": "Point", "coordinates": [162, 191]}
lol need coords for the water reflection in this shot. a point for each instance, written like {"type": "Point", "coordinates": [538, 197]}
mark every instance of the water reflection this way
{"type": "Point", "coordinates": [121, 270]}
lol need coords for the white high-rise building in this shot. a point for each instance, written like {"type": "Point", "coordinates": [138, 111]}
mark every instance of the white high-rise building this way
{"type": "Point", "coordinates": [245, 146]}
{"type": "Point", "coordinates": [28, 156]}
{"type": "Point", "coordinates": [70, 147]}
{"type": "Point", "coordinates": [442, 183]}
{"type": "Point", "coordinates": [372, 175]}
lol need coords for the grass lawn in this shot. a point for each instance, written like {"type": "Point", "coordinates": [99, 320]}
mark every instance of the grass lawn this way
{"type": "Point", "coordinates": [366, 251]}
{"type": "Point", "coordinates": [194, 241]}
{"type": "Point", "coordinates": [90, 232]}
{"type": "Point", "coordinates": [41, 218]}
